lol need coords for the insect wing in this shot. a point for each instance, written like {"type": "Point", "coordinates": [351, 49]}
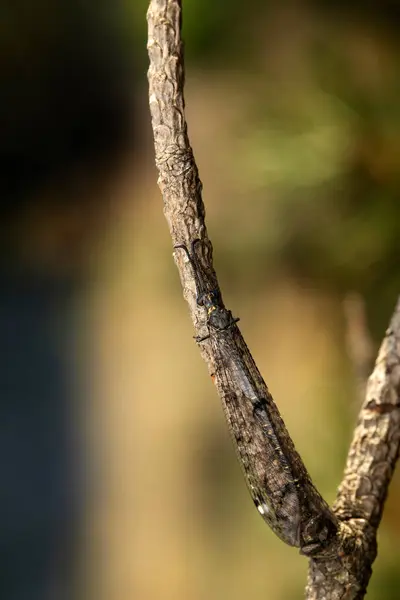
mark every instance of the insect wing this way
{"type": "Point", "coordinates": [266, 470]}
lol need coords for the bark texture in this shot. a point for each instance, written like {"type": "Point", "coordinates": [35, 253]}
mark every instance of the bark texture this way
{"type": "Point", "coordinates": [340, 566]}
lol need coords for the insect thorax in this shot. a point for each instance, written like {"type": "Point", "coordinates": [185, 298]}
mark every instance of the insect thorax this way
{"type": "Point", "coordinates": [219, 318]}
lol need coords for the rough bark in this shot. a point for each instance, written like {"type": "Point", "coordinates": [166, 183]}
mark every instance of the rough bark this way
{"type": "Point", "coordinates": [340, 566]}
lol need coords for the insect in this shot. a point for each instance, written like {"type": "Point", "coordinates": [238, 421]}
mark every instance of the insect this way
{"type": "Point", "coordinates": [275, 475]}
{"type": "Point", "coordinates": [218, 317]}
{"type": "Point", "coordinates": [267, 472]}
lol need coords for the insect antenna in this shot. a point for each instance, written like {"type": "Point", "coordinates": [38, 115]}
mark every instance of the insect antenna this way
{"type": "Point", "coordinates": [201, 288]}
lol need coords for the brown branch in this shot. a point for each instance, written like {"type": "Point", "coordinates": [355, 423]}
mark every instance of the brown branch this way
{"type": "Point", "coordinates": [277, 478]}
{"type": "Point", "coordinates": [341, 564]}
{"type": "Point", "coordinates": [178, 179]}
{"type": "Point", "coordinates": [370, 465]}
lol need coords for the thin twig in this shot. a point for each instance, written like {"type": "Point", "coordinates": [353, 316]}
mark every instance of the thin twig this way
{"type": "Point", "coordinates": [277, 478]}
{"type": "Point", "coordinates": [340, 566]}
{"type": "Point", "coordinates": [370, 465]}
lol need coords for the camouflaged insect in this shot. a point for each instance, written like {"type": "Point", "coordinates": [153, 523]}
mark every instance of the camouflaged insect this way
{"type": "Point", "coordinates": [276, 477]}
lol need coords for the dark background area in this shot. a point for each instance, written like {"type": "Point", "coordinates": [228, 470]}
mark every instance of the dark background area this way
{"type": "Point", "coordinates": [67, 88]}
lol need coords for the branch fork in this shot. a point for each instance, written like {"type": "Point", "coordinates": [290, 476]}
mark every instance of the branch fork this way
{"type": "Point", "coordinates": [341, 560]}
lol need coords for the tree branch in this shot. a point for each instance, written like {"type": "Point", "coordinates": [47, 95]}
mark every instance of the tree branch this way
{"type": "Point", "coordinates": [341, 545]}
{"type": "Point", "coordinates": [277, 478]}
{"type": "Point", "coordinates": [370, 465]}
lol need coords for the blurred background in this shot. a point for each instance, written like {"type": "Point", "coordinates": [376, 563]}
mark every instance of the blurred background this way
{"type": "Point", "coordinates": [118, 478]}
